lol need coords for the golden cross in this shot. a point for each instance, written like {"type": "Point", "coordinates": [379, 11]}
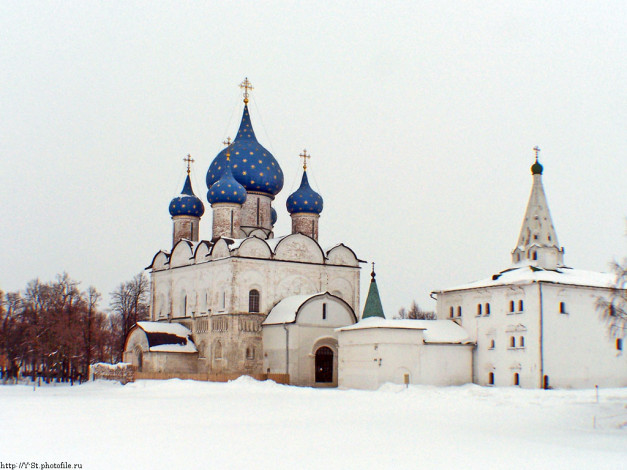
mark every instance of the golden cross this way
{"type": "Point", "coordinates": [536, 149]}
{"type": "Point", "coordinates": [372, 273]}
{"type": "Point", "coordinates": [246, 85]}
{"type": "Point", "coordinates": [227, 142]}
{"type": "Point", "coordinates": [189, 160]}
{"type": "Point", "coordinates": [304, 156]}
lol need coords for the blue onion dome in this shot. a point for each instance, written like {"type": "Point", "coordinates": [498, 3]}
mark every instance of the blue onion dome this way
{"type": "Point", "coordinates": [304, 199]}
{"type": "Point", "coordinates": [187, 203]}
{"type": "Point", "coordinates": [226, 189]}
{"type": "Point", "coordinates": [252, 165]}
{"type": "Point", "coordinates": [273, 216]}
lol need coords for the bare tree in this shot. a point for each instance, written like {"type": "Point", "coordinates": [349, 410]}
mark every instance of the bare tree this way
{"type": "Point", "coordinates": [415, 313]}
{"type": "Point", "coordinates": [614, 307]}
{"type": "Point", "coordinates": [129, 304]}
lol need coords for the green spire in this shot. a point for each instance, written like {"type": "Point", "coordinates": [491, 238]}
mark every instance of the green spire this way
{"type": "Point", "coordinates": [373, 307]}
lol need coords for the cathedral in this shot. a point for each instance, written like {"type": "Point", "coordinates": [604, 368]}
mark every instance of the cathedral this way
{"type": "Point", "coordinates": [247, 301]}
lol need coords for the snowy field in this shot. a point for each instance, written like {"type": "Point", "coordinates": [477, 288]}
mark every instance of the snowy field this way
{"type": "Point", "coordinates": [249, 425]}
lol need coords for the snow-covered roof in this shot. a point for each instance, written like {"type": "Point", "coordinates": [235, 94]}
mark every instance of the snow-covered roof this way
{"type": "Point", "coordinates": [285, 311]}
{"type": "Point", "coordinates": [528, 274]}
{"type": "Point", "coordinates": [435, 331]}
{"type": "Point", "coordinates": [168, 337]}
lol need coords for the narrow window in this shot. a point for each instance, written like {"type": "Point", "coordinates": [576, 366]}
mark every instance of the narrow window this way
{"type": "Point", "coordinates": [521, 342]}
{"type": "Point", "coordinates": [562, 307]}
{"type": "Point", "coordinates": [516, 379]}
{"type": "Point", "coordinates": [619, 344]}
{"type": "Point", "coordinates": [487, 309]}
{"type": "Point", "coordinates": [253, 301]}
{"type": "Point", "coordinates": [491, 378]}
{"type": "Point", "coordinates": [218, 351]}
{"type": "Point", "coordinates": [512, 342]}
{"type": "Point", "coordinates": [518, 256]}
{"type": "Point", "coordinates": [478, 309]}
{"type": "Point", "coordinates": [232, 234]}
{"type": "Point", "coordinates": [250, 353]}
{"type": "Point", "coordinates": [511, 305]}
{"type": "Point", "coordinates": [324, 311]}
{"type": "Point", "coordinates": [520, 305]}
{"type": "Point", "coordinates": [459, 311]}
{"type": "Point", "coordinates": [535, 256]}
{"type": "Point", "coordinates": [452, 312]}
{"type": "Point", "coordinates": [258, 217]}
{"type": "Point", "coordinates": [223, 300]}
{"type": "Point", "coordinates": [491, 344]}
{"type": "Point", "coordinates": [535, 237]}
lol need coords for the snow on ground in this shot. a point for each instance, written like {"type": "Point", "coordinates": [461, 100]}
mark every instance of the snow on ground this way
{"type": "Point", "coordinates": [179, 424]}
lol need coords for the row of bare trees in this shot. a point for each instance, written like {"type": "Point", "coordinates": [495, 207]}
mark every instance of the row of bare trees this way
{"type": "Point", "coordinates": [54, 330]}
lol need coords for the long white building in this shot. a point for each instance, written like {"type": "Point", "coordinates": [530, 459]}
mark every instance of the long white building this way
{"type": "Point", "coordinates": [537, 324]}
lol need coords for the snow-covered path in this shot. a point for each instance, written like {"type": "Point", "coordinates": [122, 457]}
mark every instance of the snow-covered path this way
{"type": "Point", "coordinates": [246, 424]}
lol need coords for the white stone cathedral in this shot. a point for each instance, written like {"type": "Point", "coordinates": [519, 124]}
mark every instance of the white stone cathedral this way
{"type": "Point", "coordinates": [246, 301]}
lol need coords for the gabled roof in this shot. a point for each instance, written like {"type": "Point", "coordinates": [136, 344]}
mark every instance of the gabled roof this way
{"type": "Point", "coordinates": [529, 274]}
{"type": "Point", "coordinates": [434, 331]}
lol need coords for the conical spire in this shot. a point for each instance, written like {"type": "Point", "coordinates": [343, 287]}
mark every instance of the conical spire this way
{"type": "Point", "coordinates": [373, 307]}
{"type": "Point", "coordinates": [537, 242]}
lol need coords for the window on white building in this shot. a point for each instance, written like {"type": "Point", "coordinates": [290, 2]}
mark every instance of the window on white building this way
{"type": "Point", "coordinates": [451, 312]}
{"type": "Point", "coordinates": [520, 306]}
{"type": "Point", "coordinates": [478, 309]}
{"type": "Point", "coordinates": [521, 342]}
{"type": "Point", "coordinates": [563, 307]}
{"type": "Point", "coordinates": [512, 342]}
{"type": "Point", "coordinates": [491, 378]}
{"type": "Point", "coordinates": [511, 306]}
{"type": "Point", "coordinates": [487, 309]}
{"type": "Point", "coordinates": [250, 353]}
{"type": "Point", "coordinates": [253, 301]}
{"type": "Point", "coordinates": [324, 311]}
{"type": "Point", "coordinates": [491, 344]}
{"type": "Point", "coordinates": [222, 300]}
{"type": "Point", "coordinates": [535, 256]}
{"type": "Point", "coordinates": [459, 311]}
{"type": "Point", "coordinates": [619, 344]}
{"type": "Point", "coordinates": [516, 379]}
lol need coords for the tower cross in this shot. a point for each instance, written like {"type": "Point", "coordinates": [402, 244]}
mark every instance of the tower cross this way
{"type": "Point", "coordinates": [536, 149]}
{"type": "Point", "coordinates": [372, 273]}
{"type": "Point", "coordinates": [304, 156]}
{"type": "Point", "coordinates": [227, 142]}
{"type": "Point", "coordinates": [246, 85]}
{"type": "Point", "coordinates": [189, 160]}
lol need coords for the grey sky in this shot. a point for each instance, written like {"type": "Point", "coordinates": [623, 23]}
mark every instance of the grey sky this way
{"type": "Point", "coordinates": [420, 118]}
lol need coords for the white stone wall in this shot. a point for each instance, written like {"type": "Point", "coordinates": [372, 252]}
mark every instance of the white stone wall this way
{"type": "Point", "coordinates": [370, 357]}
{"type": "Point", "coordinates": [574, 350]}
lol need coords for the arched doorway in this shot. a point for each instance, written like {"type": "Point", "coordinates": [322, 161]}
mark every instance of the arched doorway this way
{"type": "Point", "coordinates": [139, 355]}
{"type": "Point", "coordinates": [324, 365]}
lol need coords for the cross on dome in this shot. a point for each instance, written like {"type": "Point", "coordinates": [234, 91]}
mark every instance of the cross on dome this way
{"type": "Point", "coordinates": [228, 142]}
{"type": "Point", "coordinates": [246, 85]}
{"type": "Point", "coordinates": [189, 160]}
{"type": "Point", "coordinates": [304, 156]}
{"type": "Point", "coordinates": [536, 149]}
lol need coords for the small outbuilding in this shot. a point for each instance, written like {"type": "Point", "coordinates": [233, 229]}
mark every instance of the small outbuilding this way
{"type": "Point", "coordinates": [376, 350]}
{"type": "Point", "coordinates": [160, 347]}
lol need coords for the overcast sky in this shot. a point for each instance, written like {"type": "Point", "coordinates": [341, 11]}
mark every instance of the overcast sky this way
{"type": "Point", "coordinates": [420, 118]}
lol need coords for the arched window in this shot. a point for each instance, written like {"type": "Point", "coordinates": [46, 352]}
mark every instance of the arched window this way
{"type": "Point", "coordinates": [253, 301]}
{"type": "Point", "coordinates": [512, 342]}
{"type": "Point", "coordinates": [521, 342]}
{"type": "Point", "coordinates": [516, 379]}
{"type": "Point", "coordinates": [452, 312]}
{"type": "Point", "coordinates": [487, 309]}
{"type": "Point", "coordinates": [478, 309]}
{"type": "Point", "coordinates": [217, 352]}
{"type": "Point", "coordinates": [459, 311]}
{"type": "Point", "coordinates": [491, 378]}
{"type": "Point", "coordinates": [520, 305]}
{"type": "Point", "coordinates": [511, 305]}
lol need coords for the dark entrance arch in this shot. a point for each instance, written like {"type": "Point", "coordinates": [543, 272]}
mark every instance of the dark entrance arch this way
{"type": "Point", "coordinates": [324, 365]}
